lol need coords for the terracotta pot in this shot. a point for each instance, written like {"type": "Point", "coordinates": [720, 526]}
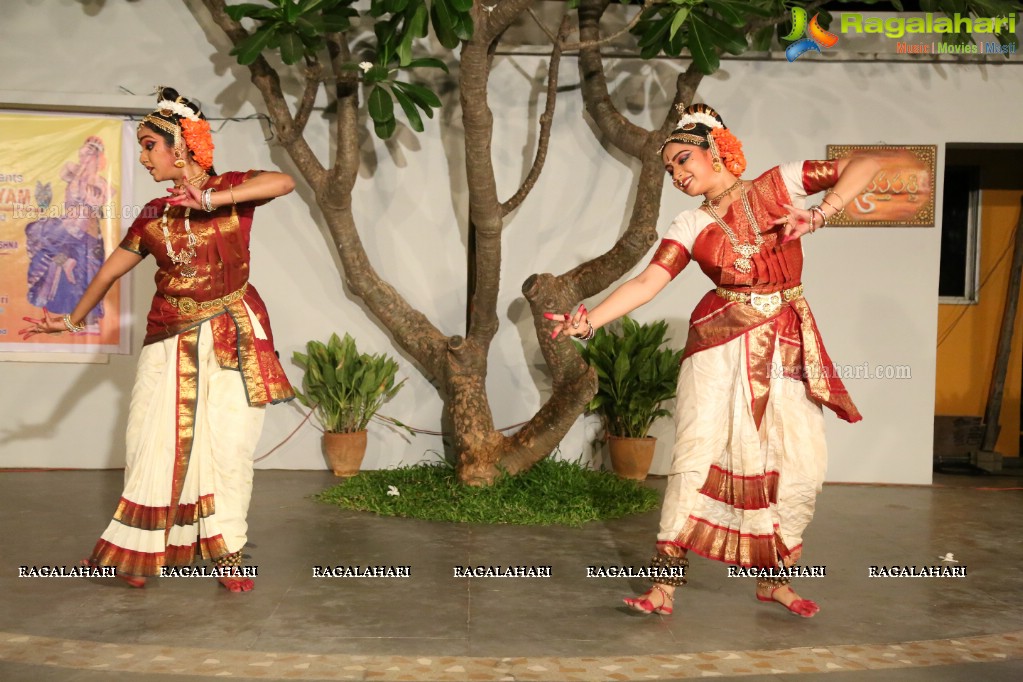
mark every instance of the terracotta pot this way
{"type": "Point", "coordinates": [344, 452]}
{"type": "Point", "coordinates": [631, 457]}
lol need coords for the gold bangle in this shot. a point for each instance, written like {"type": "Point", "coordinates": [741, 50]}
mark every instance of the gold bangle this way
{"type": "Point", "coordinates": [825, 201]}
{"type": "Point", "coordinates": [831, 191]}
{"type": "Point", "coordinates": [230, 188]}
{"type": "Point", "coordinates": [71, 326]}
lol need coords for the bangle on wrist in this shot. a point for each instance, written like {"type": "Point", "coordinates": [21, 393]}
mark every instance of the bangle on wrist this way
{"type": "Point", "coordinates": [836, 209]}
{"type": "Point", "coordinates": [590, 333]}
{"type": "Point", "coordinates": [230, 188]}
{"type": "Point", "coordinates": [831, 191]}
{"type": "Point", "coordinates": [206, 200]}
{"type": "Point", "coordinates": [824, 217]}
{"type": "Point", "coordinates": [71, 326]}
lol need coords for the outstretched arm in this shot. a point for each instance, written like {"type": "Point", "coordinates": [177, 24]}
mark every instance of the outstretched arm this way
{"type": "Point", "coordinates": [262, 187]}
{"type": "Point", "coordinates": [623, 300]}
{"type": "Point", "coordinates": [120, 262]}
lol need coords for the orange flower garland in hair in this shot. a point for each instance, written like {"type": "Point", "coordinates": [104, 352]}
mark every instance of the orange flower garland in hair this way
{"type": "Point", "coordinates": [730, 150]}
{"type": "Point", "coordinates": [199, 140]}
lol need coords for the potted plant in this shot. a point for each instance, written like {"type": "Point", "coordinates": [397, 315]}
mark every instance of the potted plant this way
{"type": "Point", "coordinates": [634, 378]}
{"type": "Point", "coordinates": [345, 389]}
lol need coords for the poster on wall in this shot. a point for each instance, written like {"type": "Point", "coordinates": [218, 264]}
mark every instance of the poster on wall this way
{"type": "Point", "coordinates": [63, 183]}
{"type": "Point", "coordinates": [902, 192]}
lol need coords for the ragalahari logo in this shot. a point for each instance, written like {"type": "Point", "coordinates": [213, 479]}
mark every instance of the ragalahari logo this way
{"type": "Point", "coordinates": [816, 37]}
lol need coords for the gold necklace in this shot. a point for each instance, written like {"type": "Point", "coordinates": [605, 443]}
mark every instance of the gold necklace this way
{"type": "Point", "coordinates": [707, 200]}
{"type": "Point", "coordinates": [197, 181]}
{"type": "Point", "coordinates": [184, 257]}
{"type": "Point", "coordinates": [743, 263]}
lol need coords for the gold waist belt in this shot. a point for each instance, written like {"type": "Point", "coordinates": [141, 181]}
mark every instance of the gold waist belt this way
{"type": "Point", "coordinates": [768, 304]}
{"type": "Point", "coordinates": [189, 306]}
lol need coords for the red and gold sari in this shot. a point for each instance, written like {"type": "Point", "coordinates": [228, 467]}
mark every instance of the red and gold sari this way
{"type": "Point", "coordinates": [749, 455]}
{"type": "Point", "coordinates": [206, 371]}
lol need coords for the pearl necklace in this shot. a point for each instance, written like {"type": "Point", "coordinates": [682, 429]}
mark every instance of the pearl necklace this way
{"type": "Point", "coordinates": [184, 257]}
{"type": "Point", "coordinates": [743, 263]}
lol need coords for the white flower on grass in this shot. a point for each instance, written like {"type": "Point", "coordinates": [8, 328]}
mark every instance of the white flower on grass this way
{"type": "Point", "coordinates": [392, 491]}
{"type": "Point", "coordinates": [365, 66]}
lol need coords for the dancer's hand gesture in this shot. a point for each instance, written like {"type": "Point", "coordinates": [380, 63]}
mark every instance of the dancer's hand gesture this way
{"type": "Point", "coordinates": [576, 325]}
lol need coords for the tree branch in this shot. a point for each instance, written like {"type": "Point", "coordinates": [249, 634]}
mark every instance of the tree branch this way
{"type": "Point", "coordinates": [411, 329]}
{"type": "Point", "coordinates": [268, 82]}
{"type": "Point", "coordinates": [313, 78]}
{"type": "Point", "coordinates": [485, 214]}
{"type": "Point", "coordinates": [624, 134]}
{"type": "Point", "coordinates": [492, 20]}
{"type": "Point", "coordinates": [546, 121]}
{"type": "Point", "coordinates": [346, 156]}
{"type": "Point", "coordinates": [573, 47]}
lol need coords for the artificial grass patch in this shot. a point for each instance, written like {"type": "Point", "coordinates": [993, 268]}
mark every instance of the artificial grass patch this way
{"type": "Point", "coordinates": [553, 492]}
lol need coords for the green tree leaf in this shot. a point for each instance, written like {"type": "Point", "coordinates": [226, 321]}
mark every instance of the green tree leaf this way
{"type": "Point", "coordinates": [431, 62]}
{"type": "Point", "coordinates": [292, 48]}
{"type": "Point", "coordinates": [250, 10]}
{"type": "Point", "coordinates": [384, 129]}
{"type": "Point", "coordinates": [444, 24]}
{"type": "Point", "coordinates": [415, 121]}
{"type": "Point", "coordinates": [249, 49]}
{"type": "Point", "coordinates": [678, 20]}
{"type": "Point", "coordinates": [424, 97]}
{"type": "Point", "coordinates": [381, 106]}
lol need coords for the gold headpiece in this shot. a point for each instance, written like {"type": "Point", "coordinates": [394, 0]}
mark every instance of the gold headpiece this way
{"type": "Point", "coordinates": [170, 128]}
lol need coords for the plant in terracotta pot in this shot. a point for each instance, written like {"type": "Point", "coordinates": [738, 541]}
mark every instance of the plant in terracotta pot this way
{"type": "Point", "coordinates": [635, 377]}
{"type": "Point", "coordinates": [345, 388]}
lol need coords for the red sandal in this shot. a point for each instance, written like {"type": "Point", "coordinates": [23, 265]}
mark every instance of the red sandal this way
{"type": "Point", "coordinates": [799, 607]}
{"type": "Point", "coordinates": [236, 584]}
{"type": "Point", "coordinates": [644, 605]}
{"type": "Point", "coordinates": [235, 581]}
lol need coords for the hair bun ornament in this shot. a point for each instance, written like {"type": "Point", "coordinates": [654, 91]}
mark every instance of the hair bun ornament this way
{"type": "Point", "coordinates": [698, 113]}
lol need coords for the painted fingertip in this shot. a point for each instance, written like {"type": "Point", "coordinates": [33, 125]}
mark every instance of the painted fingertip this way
{"type": "Point", "coordinates": [548, 316]}
{"type": "Point", "coordinates": [582, 308]}
{"type": "Point", "coordinates": [554, 334]}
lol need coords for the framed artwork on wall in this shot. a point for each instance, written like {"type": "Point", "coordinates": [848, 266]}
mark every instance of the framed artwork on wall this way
{"type": "Point", "coordinates": [902, 192]}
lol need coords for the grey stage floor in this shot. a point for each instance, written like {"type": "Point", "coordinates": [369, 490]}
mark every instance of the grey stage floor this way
{"type": "Point", "coordinates": [433, 625]}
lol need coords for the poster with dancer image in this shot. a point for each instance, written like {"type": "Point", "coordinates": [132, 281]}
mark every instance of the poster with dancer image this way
{"type": "Point", "coordinates": [63, 184]}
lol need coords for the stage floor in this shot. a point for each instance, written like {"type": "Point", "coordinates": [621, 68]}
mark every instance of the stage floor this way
{"type": "Point", "coordinates": [435, 626]}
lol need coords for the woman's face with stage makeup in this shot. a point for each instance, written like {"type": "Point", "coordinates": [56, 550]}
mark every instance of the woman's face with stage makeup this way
{"type": "Point", "coordinates": [156, 155]}
{"type": "Point", "coordinates": [689, 166]}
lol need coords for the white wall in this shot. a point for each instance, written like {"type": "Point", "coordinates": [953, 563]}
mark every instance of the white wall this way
{"type": "Point", "coordinates": [874, 291]}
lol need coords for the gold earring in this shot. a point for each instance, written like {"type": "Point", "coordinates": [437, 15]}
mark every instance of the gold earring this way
{"type": "Point", "coordinates": [179, 163]}
{"type": "Point", "coordinates": [717, 165]}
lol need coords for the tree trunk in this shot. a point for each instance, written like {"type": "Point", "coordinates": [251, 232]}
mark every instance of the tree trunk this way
{"type": "Point", "coordinates": [457, 365]}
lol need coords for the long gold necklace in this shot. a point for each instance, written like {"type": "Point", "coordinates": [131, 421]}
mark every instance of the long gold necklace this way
{"type": "Point", "coordinates": [743, 263]}
{"type": "Point", "coordinates": [185, 256]}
